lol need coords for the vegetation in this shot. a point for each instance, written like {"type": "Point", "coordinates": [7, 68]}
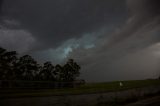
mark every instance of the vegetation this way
{"type": "Point", "coordinates": [27, 69]}
{"type": "Point", "coordinates": [83, 89]}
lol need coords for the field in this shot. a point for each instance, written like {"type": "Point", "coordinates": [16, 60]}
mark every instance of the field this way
{"type": "Point", "coordinates": [88, 88]}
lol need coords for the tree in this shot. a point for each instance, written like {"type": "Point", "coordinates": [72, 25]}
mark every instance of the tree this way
{"type": "Point", "coordinates": [10, 61]}
{"type": "Point", "coordinates": [47, 72]}
{"type": "Point", "coordinates": [2, 73]}
{"type": "Point", "coordinates": [59, 72]}
{"type": "Point", "coordinates": [70, 71]}
{"type": "Point", "coordinates": [7, 62]}
{"type": "Point", "coordinates": [27, 68]}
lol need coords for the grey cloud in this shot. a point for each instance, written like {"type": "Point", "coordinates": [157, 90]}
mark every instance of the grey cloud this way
{"type": "Point", "coordinates": [144, 7]}
{"type": "Point", "coordinates": [60, 54]}
{"type": "Point", "coordinates": [1, 3]}
{"type": "Point", "coordinates": [19, 40]}
{"type": "Point", "coordinates": [140, 65]}
{"type": "Point", "coordinates": [139, 32]}
{"type": "Point", "coordinates": [54, 21]}
{"type": "Point", "coordinates": [62, 27]}
{"type": "Point", "coordinates": [142, 12]}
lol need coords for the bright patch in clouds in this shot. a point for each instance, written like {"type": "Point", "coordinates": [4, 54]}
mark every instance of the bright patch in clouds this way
{"type": "Point", "coordinates": [19, 40]}
{"type": "Point", "coordinates": [61, 53]}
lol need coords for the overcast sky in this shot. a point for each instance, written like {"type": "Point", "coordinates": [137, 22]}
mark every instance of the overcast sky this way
{"type": "Point", "coordinates": [110, 39]}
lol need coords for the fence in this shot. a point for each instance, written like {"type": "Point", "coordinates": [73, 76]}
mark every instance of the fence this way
{"type": "Point", "coordinates": [38, 84]}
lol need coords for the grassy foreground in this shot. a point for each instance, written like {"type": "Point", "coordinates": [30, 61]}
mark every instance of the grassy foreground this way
{"type": "Point", "coordinates": [84, 89]}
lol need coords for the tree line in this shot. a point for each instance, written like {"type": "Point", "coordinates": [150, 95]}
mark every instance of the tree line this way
{"type": "Point", "coordinates": [26, 68]}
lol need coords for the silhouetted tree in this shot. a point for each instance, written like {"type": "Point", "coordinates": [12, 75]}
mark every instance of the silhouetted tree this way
{"type": "Point", "coordinates": [27, 67]}
{"type": "Point", "coordinates": [70, 71]}
{"type": "Point", "coordinates": [10, 62]}
{"type": "Point", "coordinates": [47, 72]}
{"type": "Point", "coordinates": [37, 75]}
{"type": "Point", "coordinates": [2, 73]}
{"type": "Point", "coordinates": [59, 72]}
{"type": "Point", "coordinates": [7, 62]}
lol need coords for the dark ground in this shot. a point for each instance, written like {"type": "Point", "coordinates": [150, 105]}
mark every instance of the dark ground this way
{"type": "Point", "coordinates": [49, 101]}
{"type": "Point", "coordinates": [152, 101]}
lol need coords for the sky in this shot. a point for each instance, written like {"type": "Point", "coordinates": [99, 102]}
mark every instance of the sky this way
{"type": "Point", "coordinates": [110, 39]}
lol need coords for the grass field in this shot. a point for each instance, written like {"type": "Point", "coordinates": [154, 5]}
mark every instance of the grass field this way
{"type": "Point", "coordinates": [84, 89]}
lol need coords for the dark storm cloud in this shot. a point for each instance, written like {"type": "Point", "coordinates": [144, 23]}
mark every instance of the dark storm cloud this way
{"type": "Point", "coordinates": [140, 31]}
{"type": "Point", "coordinates": [1, 3]}
{"type": "Point", "coordinates": [73, 29]}
{"type": "Point", "coordinates": [150, 7]}
{"type": "Point", "coordinates": [54, 21]}
{"type": "Point", "coordinates": [142, 12]}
